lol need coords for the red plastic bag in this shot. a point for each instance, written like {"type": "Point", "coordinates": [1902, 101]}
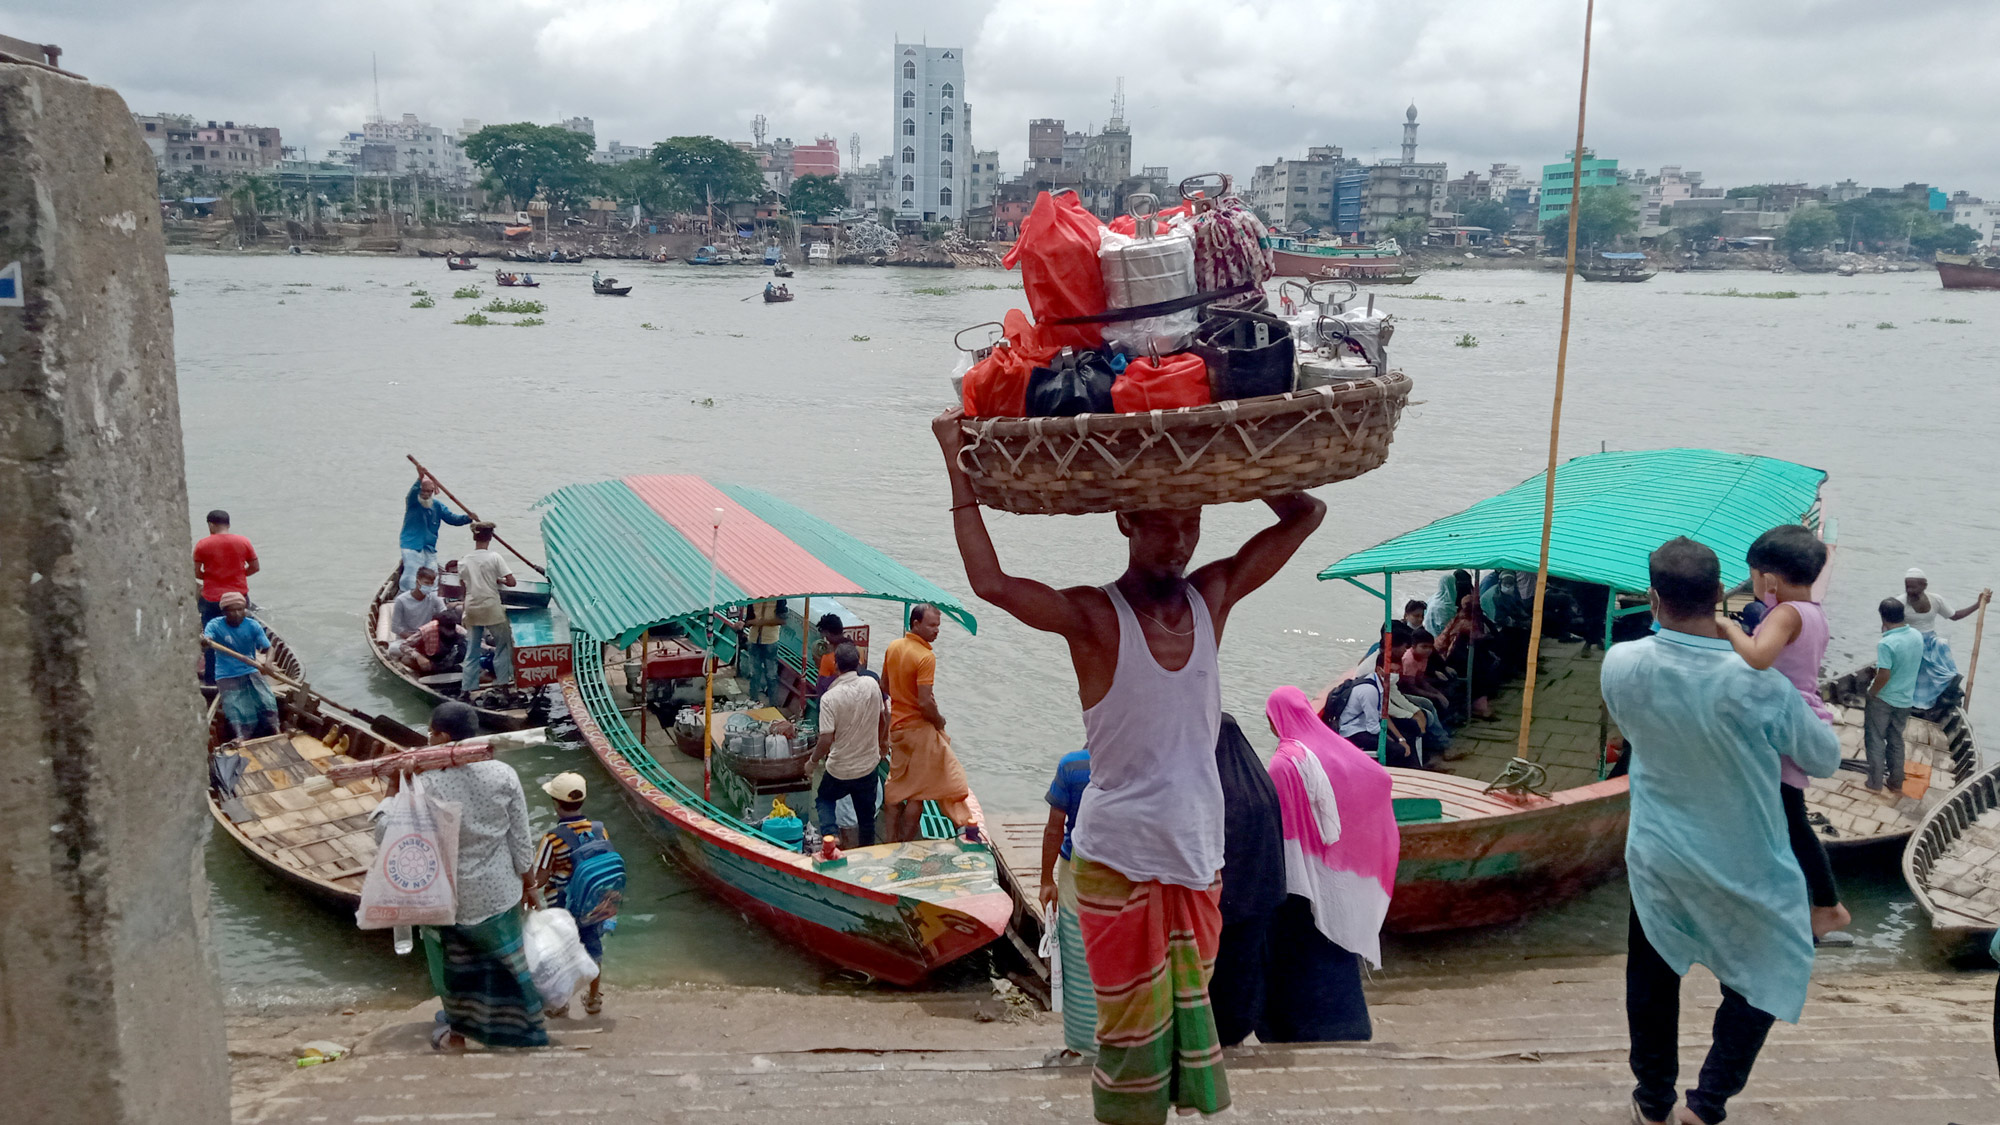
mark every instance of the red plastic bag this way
{"type": "Point", "coordinates": [1129, 226]}
{"type": "Point", "coordinates": [1057, 253]}
{"type": "Point", "coordinates": [997, 386]}
{"type": "Point", "coordinates": [1172, 381]}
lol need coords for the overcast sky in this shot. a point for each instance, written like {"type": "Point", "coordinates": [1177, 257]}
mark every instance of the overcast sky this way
{"type": "Point", "coordinates": [1741, 90]}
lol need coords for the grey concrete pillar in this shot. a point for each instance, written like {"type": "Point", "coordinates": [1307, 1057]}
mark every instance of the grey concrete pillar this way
{"type": "Point", "coordinates": [109, 1007]}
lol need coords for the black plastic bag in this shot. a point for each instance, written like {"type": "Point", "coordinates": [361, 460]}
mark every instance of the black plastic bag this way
{"type": "Point", "coordinates": [1075, 383]}
{"type": "Point", "coordinates": [1249, 354]}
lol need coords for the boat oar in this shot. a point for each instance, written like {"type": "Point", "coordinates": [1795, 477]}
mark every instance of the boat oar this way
{"type": "Point", "coordinates": [383, 725]}
{"type": "Point", "coordinates": [468, 511]}
{"type": "Point", "coordinates": [1978, 634]}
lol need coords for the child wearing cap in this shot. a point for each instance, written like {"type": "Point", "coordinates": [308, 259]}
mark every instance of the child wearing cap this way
{"type": "Point", "coordinates": [553, 866]}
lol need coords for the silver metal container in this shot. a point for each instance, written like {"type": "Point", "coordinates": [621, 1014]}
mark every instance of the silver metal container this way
{"type": "Point", "coordinates": [1145, 272]}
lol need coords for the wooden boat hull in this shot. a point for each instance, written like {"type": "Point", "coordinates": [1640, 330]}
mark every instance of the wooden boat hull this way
{"type": "Point", "coordinates": [461, 265]}
{"type": "Point", "coordinates": [859, 914]}
{"type": "Point", "coordinates": [306, 845]}
{"type": "Point", "coordinates": [618, 291]}
{"type": "Point", "coordinates": [776, 299]}
{"type": "Point", "coordinates": [1385, 269]}
{"type": "Point", "coordinates": [1956, 275]}
{"type": "Point", "coordinates": [1498, 863]}
{"type": "Point", "coordinates": [1616, 275]}
{"type": "Point", "coordinates": [1959, 931]}
{"type": "Point", "coordinates": [489, 721]}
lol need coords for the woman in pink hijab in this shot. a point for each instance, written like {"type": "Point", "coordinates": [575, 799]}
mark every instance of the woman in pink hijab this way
{"type": "Point", "coordinates": [1341, 847]}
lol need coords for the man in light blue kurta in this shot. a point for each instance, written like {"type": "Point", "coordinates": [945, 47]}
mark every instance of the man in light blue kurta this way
{"type": "Point", "coordinates": [1711, 868]}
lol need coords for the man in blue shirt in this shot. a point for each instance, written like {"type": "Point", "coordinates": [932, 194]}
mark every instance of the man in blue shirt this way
{"type": "Point", "coordinates": [422, 513]}
{"type": "Point", "coordinates": [1708, 855]}
{"type": "Point", "coordinates": [1898, 655]}
{"type": "Point", "coordinates": [244, 698]}
{"type": "Point", "coordinates": [1059, 906]}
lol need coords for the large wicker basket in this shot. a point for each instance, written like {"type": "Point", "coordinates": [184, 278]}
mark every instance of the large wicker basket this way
{"type": "Point", "coordinates": [1248, 449]}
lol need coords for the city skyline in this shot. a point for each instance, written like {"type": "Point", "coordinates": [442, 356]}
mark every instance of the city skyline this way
{"type": "Point", "coordinates": [1747, 96]}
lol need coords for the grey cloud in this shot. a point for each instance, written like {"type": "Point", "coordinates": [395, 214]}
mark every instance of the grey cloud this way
{"type": "Point", "coordinates": [1778, 89]}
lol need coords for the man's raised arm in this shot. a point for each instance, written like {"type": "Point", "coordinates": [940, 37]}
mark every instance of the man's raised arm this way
{"type": "Point", "coordinates": [1267, 552]}
{"type": "Point", "coordinates": [1035, 604]}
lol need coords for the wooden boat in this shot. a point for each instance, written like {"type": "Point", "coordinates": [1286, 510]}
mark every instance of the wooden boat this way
{"type": "Point", "coordinates": [461, 262]}
{"type": "Point", "coordinates": [1939, 755]}
{"type": "Point", "coordinates": [284, 812]}
{"type": "Point", "coordinates": [897, 912]}
{"type": "Point", "coordinates": [1472, 857]}
{"type": "Point", "coordinates": [609, 287]}
{"type": "Point", "coordinates": [781, 271]}
{"type": "Point", "coordinates": [1949, 868]}
{"type": "Point", "coordinates": [1967, 272]}
{"type": "Point", "coordinates": [1366, 265]}
{"type": "Point", "coordinates": [1609, 266]}
{"type": "Point", "coordinates": [776, 297]}
{"type": "Point", "coordinates": [514, 280]}
{"type": "Point", "coordinates": [528, 612]}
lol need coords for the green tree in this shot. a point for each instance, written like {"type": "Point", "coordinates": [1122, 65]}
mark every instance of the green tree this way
{"type": "Point", "coordinates": [1604, 214]}
{"type": "Point", "coordinates": [817, 197]}
{"type": "Point", "coordinates": [1810, 228]}
{"type": "Point", "coordinates": [1408, 231]}
{"type": "Point", "coordinates": [523, 161]}
{"type": "Point", "coordinates": [1748, 191]}
{"type": "Point", "coordinates": [642, 182]}
{"type": "Point", "coordinates": [709, 170]}
{"type": "Point", "coordinates": [1488, 213]}
{"type": "Point", "coordinates": [1931, 235]}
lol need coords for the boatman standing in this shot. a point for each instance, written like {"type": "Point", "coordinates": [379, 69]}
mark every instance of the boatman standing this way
{"type": "Point", "coordinates": [1148, 843]}
{"type": "Point", "coordinates": [422, 512]}
{"type": "Point", "coordinates": [224, 562]}
{"type": "Point", "coordinates": [243, 696]}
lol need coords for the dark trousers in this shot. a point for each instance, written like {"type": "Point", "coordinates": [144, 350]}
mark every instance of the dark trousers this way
{"type": "Point", "coordinates": [209, 612]}
{"type": "Point", "coordinates": [1236, 991]}
{"type": "Point", "coordinates": [1652, 1016]}
{"type": "Point", "coordinates": [1315, 991]}
{"type": "Point", "coordinates": [1883, 742]}
{"type": "Point", "coordinates": [862, 790]}
{"type": "Point", "coordinates": [1807, 849]}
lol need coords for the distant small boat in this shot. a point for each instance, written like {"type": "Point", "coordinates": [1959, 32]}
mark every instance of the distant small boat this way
{"type": "Point", "coordinates": [781, 271]}
{"type": "Point", "coordinates": [1609, 266]}
{"type": "Point", "coordinates": [1956, 272]}
{"type": "Point", "coordinates": [777, 296]}
{"type": "Point", "coordinates": [609, 287]}
{"type": "Point", "coordinates": [461, 262]}
{"type": "Point", "coordinates": [515, 280]}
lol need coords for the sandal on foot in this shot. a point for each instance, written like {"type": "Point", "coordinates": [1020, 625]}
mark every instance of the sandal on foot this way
{"type": "Point", "coordinates": [593, 1005]}
{"type": "Point", "coordinates": [441, 1036]}
{"type": "Point", "coordinates": [1639, 1117]}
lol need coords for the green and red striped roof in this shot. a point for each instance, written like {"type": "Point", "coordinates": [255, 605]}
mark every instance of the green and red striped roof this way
{"type": "Point", "coordinates": [628, 554]}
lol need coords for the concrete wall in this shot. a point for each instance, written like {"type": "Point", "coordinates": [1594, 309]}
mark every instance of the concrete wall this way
{"type": "Point", "coordinates": [109, 1009]}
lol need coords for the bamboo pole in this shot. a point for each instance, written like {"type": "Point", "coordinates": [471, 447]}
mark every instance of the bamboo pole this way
{"type": "Point", "coordinates": [468, 511]}
{"type": "Point", "coordinates": [1978, 632]}
{"type": "Point", "coordinates": [1556, 407]}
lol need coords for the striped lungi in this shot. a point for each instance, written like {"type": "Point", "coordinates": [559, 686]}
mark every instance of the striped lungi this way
{"type": "Point", "coordinates": [480, 972]}
{"type": "Point", "coordinates": [1079, 1002]}
{"type": "Point", "coordinates": [1151, 948]}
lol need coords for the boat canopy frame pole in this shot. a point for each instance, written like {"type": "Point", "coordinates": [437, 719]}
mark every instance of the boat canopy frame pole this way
{"type": "Point", "coordinates": [1555, 408]}
{"type": "Point", "coordinates": [708, 681]}
{"type": "Point", "coordinates": [1386, 593]}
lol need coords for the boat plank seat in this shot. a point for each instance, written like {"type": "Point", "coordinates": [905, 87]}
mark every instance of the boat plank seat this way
{"type": "Point", "coordinates": [1449, 797]}
{"type": "Point", "coordinates": [286, 806]}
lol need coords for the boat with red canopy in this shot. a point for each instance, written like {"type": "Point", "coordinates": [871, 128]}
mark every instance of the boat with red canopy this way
{"type": "Point", "coordinates": [647, 561]}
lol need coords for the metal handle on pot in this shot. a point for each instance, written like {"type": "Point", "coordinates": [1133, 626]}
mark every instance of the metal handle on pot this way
{"type": "Point", "coordinates": [1143, 220]}
{"type": "Point", "coordinates": [985, 349]}
{"type": "Point", "coordinates": [1193, 188]}
{"type": "Point", "coordinates": [1312, 292]}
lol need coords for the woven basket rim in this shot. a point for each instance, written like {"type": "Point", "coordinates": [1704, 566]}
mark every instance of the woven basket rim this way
{"type": "Point", "coordinates": [1372, 388]}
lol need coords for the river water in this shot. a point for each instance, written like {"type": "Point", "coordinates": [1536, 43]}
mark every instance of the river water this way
{"type": "Point", "coordinates": [304, 381]}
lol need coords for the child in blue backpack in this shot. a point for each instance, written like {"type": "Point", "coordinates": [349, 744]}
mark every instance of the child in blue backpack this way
{"type": "Point", "coordinates": [578, 851]}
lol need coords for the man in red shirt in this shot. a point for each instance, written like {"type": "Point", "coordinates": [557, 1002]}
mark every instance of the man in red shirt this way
{"type": "Point", "coordinates": [224, 563]}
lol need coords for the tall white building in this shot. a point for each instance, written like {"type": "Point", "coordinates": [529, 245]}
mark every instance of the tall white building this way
{"type": "Point", "coordinates": [412, 146]}
{"type": "Point", "coordinates": [931, 151]}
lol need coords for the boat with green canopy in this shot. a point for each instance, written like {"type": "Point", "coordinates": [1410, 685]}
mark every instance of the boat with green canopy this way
{"type": "Point", "coordinates": [663, 560]}
{"type": "Point", "coordinates": [1494, 835]}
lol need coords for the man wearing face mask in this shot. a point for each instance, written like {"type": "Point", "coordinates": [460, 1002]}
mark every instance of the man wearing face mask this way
{"type": "Point", "coordinates": [422, 513]}
{"type": "Point", "coordinates": [1148, 844]}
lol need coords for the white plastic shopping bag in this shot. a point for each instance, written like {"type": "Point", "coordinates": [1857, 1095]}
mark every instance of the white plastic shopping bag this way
{"type": "Point", "coordinates": [1051, 951]}
{"type": "Point", "coordinates": [556, 957]}
{"type": "Point", "coordinates": [413, 879]}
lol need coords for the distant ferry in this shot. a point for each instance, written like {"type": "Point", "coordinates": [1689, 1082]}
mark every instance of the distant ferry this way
{"type": "Point", "coordinates": [1968, 272]}
{"type": "Point", "coordinates": [1367, 265]}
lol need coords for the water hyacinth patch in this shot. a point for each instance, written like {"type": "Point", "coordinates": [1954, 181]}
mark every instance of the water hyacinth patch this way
{"type": "Point", "coordinates": [499, 305]}
{"type": "Point", "coordinates": [468, 293]}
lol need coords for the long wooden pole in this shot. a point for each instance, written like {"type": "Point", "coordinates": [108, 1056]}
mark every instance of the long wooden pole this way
{"type": "Point", "coordinates": [1556, 407]}
{"type": "Point", "coordinates": [1978, 632]}
{"type": "Point", "coordinates": [468, 511]}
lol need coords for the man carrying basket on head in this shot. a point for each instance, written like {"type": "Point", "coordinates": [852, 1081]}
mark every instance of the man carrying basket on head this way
{"type": "Point", "coordinates": [1148, 842]}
